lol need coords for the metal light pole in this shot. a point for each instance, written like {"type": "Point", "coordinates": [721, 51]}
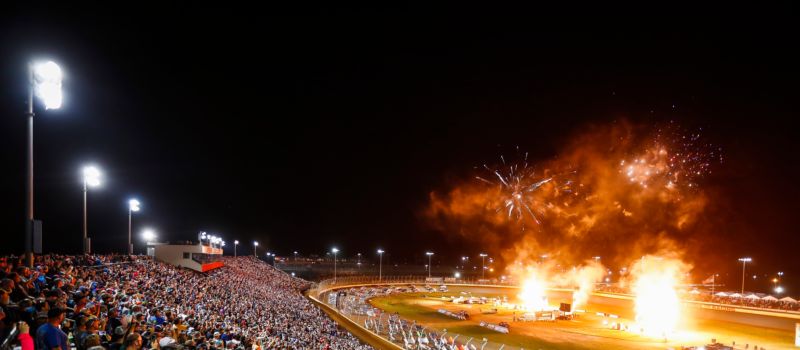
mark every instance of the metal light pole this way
{"type": "Point", "coordinates": [334, 251]}
{"type": "Point", "coordinates": [255, 249]}
{"type": "Point", "coordinates": [45, 81]}
{"type": "Point", "coordinates": [380, 265]}
{"type": "Point", "coordinates": [235, 244]}
{"type": "Point", "coordinates": [133, 206]}
{"type": "Point", "coordinates": [483, 263]}
{"type": "Point", "coordinates": [744, 262]}
{"type": "Point", "coordinates": [91, 177]}
{"type": "Point", "coordinates": [359, 261]}
{"type": "Point", "coordinates": [295, 256]}
{"type": "Point", "coordinates": [429, 254]}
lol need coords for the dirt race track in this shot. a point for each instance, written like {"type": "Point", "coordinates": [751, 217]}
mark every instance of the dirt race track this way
{"type": "Point", "coordinates": [699, 322]}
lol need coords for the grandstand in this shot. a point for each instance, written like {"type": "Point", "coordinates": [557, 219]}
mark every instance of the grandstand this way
{"type": "Point", "coordinates": [136, 302]}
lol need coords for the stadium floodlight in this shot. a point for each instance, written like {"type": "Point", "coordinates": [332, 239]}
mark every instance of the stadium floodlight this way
{"type": "Point", "coordinates": [380, 264]}
{"type": "Point", "coordinates": [744, 261]}
{"type": "Point", "coordinates": [133, 206]}
{"type": "Point", "coordinates": [334, 251]}
{"type": "Point", "coordinates": [91, 178]}
{"type": "Point", "coordinates": [44, 81]}
{"type": "Point", "coordinates": [148, 235]}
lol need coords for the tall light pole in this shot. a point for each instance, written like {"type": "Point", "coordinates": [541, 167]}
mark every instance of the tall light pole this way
{"type": "Point", "coordinates": [295, 256]}
{"type": "Point", "coordinates": [429, 254]}
{"type": "Point", "coordinates": [133, 206]}
{"type": "Point", "coordinates": [483, 263]}
{"type": "Point", "coordinates": [91, 177]}
{"type": "Point", "coordinates": [235, 244]}
{"type": "Point", "coordinates": [359, 261]}
{"type": "Point", "coordinates": [744, 262]}
{"type": "Point", "coordinates": [334, 251]}
{"type": "Point", "coordinates": [44, 80]}
{"type": "Point", "coordinates": [380, 265]}
{"type": "Point", "coordinates": [255, 249]}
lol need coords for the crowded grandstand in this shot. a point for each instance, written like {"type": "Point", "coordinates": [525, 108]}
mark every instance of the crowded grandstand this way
{"type": "Point", "coordinates": [127, 302]}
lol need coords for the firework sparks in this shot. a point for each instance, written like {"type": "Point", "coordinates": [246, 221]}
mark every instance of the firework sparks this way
{"type": "Point", "coordinates": [674, 158]}
{"type": "Point", "coordinates": [519, 185]}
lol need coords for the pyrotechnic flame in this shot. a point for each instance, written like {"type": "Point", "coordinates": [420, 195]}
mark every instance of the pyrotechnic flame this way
{"type": "Point", "coordinates": [537, 277]}
{"type": "Point", "coordinates": [585, 278]}
{"type": "Point", "coordinates": [658, 308]}
{"type": "Point", "coordinates": [532, 294]}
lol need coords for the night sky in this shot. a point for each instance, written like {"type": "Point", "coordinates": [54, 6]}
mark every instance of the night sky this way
{"type": "Point", "coordinates": [309, 129]}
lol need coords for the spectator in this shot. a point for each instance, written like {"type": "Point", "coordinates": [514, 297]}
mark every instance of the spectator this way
{"type": "Point", "coordinates": [49, 336]}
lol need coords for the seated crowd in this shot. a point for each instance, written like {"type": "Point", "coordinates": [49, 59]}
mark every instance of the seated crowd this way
{"type": "Point", "coordinates": [130, 303]}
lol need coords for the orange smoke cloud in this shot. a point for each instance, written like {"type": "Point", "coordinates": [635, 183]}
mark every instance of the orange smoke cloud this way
{"type": "Point", "coordinates": [618, 191]}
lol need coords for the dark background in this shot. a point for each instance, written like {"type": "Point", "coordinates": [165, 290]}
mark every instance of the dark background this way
{"type": "Point", "coordinates": [305, 129]}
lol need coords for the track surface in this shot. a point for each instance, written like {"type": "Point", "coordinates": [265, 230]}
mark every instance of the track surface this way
{"type": "Point", "coordinates": [587, 331]}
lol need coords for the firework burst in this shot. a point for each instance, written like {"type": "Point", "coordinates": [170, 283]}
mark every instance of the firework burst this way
{"type": "Point", "coordinates": [673, 159]}
{"type": "Point", "coordinates": [520, 189]}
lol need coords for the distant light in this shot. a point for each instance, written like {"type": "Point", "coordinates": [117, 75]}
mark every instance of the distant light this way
{"type": "Point", "coordinates": [457, 275]}
{"type": "Point", "coordinates": [380, 251]}
{"type": "Point", "coordinates": [91, 175]}
{"type": "Point", "coordinates": [483, 255]}
{"type": "Point", "coordinates": [608, 280]}
{"type": "Point", "coordinates": [745, 259]}
{"type": "Point", "coordinates": [428, 253]}
{"type": "Point", "coordinates": [334, 250]}
{"type": "Point", "coordinates": [223, 243]}
{"type": "Point", "coordinates": [133, 205]}
{"type": "Point", "coordinates": [148, 235]}
{"type": "Point", "coordinates": [255, 244]}
{"type": "Point", "coordinates": [235, 242]}
{"type": "Point", "coordinates": [779, 289]}
{"type": "Point", "coordinates": [292, 274]}
{"type": "Point", "coordinates": [47, 80]}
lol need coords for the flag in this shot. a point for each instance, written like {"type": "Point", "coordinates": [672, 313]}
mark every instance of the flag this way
{"type": "Point", "coordinates": [709, 280]}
